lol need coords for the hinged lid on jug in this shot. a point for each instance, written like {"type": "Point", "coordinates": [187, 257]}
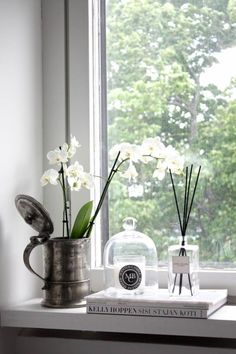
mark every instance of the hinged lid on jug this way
{"type": "Point", "coordinates": [34, 214]}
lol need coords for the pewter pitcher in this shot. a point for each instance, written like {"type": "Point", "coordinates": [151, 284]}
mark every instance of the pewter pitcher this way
{"type": "Point", "coordinates": [66, 271]}
{"type": "Point", "coordinates": [66, 261]}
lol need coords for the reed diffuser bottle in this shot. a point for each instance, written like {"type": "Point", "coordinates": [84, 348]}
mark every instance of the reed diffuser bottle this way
{"type": "Point", "coordinates": [183, 279]}
{"type": "Point", "coordinates": [183, 259]}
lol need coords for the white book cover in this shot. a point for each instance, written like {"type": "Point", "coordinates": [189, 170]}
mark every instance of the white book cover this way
{"type": "Point", "coordinates": [160, 304]}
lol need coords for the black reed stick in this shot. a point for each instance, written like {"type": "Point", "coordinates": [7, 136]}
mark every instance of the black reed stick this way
{"type": "Point", "coordinates": [185, 202]}
{"type": "Point", "coordinates": [194, 191]}
{"type": "Point", "coordinates": [189, 184]}
{"type": "Point", "coordinates": [176, 203]}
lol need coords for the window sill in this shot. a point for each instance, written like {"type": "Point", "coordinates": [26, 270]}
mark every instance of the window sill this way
{"type": "Point", "coordinates": [30, 314]}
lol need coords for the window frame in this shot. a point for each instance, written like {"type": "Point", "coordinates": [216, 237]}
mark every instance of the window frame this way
{"type": "Point", "coordinates": [217, 278]}
{"type": "Point", "coordinates": [98, 121]}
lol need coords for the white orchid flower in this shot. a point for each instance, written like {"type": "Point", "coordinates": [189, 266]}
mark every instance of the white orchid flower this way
{"type": "Point", "coordinates": [58, 156]}
{"type": "Point", "coordinates": [64, 147]}
{"type": "Point", "coordinates": [159, 173]}
{"type": "Point", "coordinates": [74, 171]}
{"type": "Point", "coordinates": [74, 142]}
{"type": "Point", "coordinates": [173, 160]}
{"type": "Point", "coordinates": [87, 180]}
{"type": "Point", "coordinates": [50, 176]}
{"type": "Point", "coordinates": [74, 183]}
{"type": "Point", "coordinates": [131, 172]}
{"type": "Point", "coordinates": [176, 166]}
{"type": "Point", "coordinates": [71, 151]}
{"type": "Point", "coordinates": [170, 151]}
{"type": "Point", "coordinates": [153, 147]}
{"type": "Point", "coordinates": [127, 151]}
{"type": "Point", "coordinates": [130, 151]}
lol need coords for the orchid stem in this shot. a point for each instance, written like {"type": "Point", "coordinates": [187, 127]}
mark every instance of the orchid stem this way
{"type": "Point", "coordinates": [109, 179]}
{"type": "Point", "coordinates": [65, 218]}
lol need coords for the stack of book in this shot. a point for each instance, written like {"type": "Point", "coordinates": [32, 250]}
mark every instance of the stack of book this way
{"type": "Point", "coordinates": [158, 305]}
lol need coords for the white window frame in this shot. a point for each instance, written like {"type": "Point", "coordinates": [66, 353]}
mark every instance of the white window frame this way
{"type": "Point", "coordinates": [97, 102]}
{"type": "Point", "coordinates": [84, 115]}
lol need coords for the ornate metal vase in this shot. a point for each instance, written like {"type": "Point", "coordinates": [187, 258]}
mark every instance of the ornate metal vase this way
{"type": "Point", "coordinates": [66, 261]}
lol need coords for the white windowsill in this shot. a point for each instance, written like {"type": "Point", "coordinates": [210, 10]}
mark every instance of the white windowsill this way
{"type": "Point", "coordinates": [30, 314]}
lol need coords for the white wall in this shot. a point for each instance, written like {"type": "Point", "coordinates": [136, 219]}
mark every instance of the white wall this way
{"type": "Point", "coordinates": [53, 98]}
{"type": "Point", "coordinates": [54, 94]}
{"type": "Point", "coordinates": [20, 140]}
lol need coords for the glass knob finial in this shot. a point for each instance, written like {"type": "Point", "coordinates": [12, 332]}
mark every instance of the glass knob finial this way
{"type": "Point", "coordinates": [129, 223]}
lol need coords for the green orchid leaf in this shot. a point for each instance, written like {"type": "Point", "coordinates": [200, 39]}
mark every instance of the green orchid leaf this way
{"type": "Point", "coordinates": [82, 220]}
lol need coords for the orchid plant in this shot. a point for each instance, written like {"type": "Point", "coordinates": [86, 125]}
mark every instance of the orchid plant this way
{"type": "Point", "coordinates": [71, 176]}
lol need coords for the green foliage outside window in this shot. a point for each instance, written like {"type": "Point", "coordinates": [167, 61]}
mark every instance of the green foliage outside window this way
{"type": "Point", "coordinates": [157, 54]}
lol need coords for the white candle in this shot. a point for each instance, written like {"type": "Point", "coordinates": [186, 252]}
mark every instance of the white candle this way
{"type": "Point", "coordinates": [129, 272]}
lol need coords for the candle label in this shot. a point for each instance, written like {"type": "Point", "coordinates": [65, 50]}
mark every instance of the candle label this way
{"type": "Point", "coordinates": [130, 277]}
{"type": "Point", "coordinates": [181, 264]}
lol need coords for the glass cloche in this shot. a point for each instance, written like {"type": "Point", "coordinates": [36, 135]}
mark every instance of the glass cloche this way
{"type": "Point", "coordinates": [130, 262]}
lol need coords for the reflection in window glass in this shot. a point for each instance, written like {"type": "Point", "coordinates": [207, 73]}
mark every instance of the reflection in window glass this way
{"type": "Point", "coordinates": [171, 72]}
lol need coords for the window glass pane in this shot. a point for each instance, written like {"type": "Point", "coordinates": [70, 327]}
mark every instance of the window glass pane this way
{"type": "Point", "coordinates": [171, 72]}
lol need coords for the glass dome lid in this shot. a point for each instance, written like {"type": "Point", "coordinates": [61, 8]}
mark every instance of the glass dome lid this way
{"type": "Point", "coordinates": [130, 260]}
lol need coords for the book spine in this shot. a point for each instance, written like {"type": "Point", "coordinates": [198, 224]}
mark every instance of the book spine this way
{"type": "Point", "coordinates": [173, 304]}
{"type": "Point", "coordinates": [145, 311]}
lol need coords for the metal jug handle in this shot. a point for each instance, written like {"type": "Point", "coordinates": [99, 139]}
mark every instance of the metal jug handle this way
{"type": "Point", "coordinates": [34, 242]}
